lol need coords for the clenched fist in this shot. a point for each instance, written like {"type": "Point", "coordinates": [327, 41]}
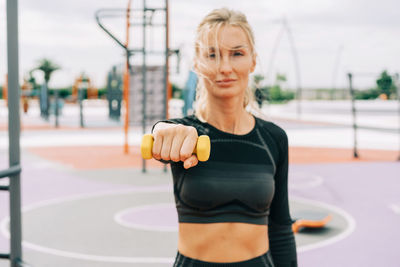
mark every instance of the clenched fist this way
{"type": "Point", "coordinates": [175, 142]}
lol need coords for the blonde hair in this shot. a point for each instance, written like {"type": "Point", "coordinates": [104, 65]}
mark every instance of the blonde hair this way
{"type": "Point", "coordinates": [214, 21]}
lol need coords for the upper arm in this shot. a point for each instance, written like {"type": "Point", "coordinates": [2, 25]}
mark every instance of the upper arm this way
{"type": "Point", "coordinates": [279, 211]}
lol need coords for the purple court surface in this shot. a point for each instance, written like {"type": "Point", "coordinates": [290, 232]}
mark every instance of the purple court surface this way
{"type": "Point", "coordinates": [122, 217]}
{"type": "Point", "coordinates": [366, 195]}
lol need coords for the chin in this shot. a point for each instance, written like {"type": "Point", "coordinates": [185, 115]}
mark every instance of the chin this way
{"type": "Point", "coordinates": [225, 93]}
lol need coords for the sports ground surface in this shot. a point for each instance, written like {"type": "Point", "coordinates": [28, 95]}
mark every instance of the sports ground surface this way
{"type": "Point", "coordinates": [86, 203]}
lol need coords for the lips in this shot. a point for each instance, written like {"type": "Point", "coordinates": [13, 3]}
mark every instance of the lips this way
{"type": "Point", "coordinates": [225, 82]}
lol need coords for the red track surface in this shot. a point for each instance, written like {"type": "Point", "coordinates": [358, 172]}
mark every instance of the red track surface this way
{"type": "Point", "coordinates": [103, 157]}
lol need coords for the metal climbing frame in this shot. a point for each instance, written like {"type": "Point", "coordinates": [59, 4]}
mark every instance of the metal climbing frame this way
{"type": "Point", "coordinates": [13, 173]}
{"type": "Point", "coordinates": [146, 23]}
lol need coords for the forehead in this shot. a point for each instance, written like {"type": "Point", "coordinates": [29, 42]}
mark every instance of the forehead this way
{"type": "Point", "coordinates": [228, 37]}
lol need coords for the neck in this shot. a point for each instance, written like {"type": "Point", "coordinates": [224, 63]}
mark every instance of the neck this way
{"type": "Point", "coordinates": [228, 116]}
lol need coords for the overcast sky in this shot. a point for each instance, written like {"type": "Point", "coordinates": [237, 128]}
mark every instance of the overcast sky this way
{"type": "Point", "coordinates": [364, 35]}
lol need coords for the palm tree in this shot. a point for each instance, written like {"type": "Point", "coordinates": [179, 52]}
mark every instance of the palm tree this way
{"type": "Point", "coordinates": [47, 67]}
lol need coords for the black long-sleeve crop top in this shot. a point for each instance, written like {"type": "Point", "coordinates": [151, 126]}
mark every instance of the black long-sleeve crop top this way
{"type": "Point", "coordinates": [244, 180]}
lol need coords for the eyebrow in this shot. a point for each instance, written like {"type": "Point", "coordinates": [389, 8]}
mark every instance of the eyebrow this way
{"type": "Point", "coordinates": [233, 48]}
{"type": "Point", "coordinates": [239, 47]}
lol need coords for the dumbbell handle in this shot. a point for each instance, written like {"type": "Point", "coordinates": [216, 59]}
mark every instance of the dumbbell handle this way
{"type": "Point", "coordinates": [202, 149]}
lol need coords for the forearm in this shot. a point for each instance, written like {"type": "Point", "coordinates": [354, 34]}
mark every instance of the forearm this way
{"type": "Point", "coordinates": [282, 245]}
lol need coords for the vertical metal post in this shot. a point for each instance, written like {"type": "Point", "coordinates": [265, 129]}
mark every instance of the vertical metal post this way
{"type": "Point", "coordinates": [80, 97]}
{"type": "Point", "coordinates": [127, 80]}
{"type": "Point", "coordinates": [14, 131]}
{"type": "Point", "coordinates": [396, 82]}
{"type": "Point", "coordinates": [56, 108]}
{"type": "Point", "coordinates": [144, 79]}
{"type": "Point", "coordinates": [353, 110]}
{"type": "Point", "coordinates": [166, 69]}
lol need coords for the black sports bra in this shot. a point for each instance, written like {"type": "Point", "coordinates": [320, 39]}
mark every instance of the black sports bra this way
{"type": "Point", "coordinates": [236, 184]}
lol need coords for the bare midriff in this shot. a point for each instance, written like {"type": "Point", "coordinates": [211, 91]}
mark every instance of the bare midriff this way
{"type": "Point", "coordinates": [222, 242]}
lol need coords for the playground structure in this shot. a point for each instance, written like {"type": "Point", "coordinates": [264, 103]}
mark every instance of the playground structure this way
{"type": "Point", "coordinates": [139, 78]}
{"type": "Point", "coordinates": [81, 85]}
{"type": "Point", "coordinates": [114, 93]}
{"type": "Point", "coordinates": [83, 82]}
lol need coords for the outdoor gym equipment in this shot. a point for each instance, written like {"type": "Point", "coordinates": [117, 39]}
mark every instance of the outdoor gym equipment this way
{"type": "Point", "coordinates": [310, 219]}
{"type": "Point", "coordinates": [202, 149]}
{"type": "Point", "coordinates": [144, 103]}
{"type": "Point", "coordinates": [114, 94]}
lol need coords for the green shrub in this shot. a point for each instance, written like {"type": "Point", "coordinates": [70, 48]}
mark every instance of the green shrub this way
{"type": "Point", "coordinates": [367, 94]}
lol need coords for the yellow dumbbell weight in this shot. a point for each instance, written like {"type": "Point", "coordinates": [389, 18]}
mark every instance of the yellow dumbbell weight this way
{"type": "Point", "coordinates": [202, 149]}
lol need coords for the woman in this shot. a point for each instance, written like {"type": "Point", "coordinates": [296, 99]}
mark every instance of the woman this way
{"type": "Point", "coordinates": [232, 209]}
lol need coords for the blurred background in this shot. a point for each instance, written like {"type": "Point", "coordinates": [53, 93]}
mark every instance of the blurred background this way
{"type": "Point", "coordinates": [95, 75]}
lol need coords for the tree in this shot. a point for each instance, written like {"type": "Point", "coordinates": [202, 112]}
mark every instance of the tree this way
{"type": "Point", "coordinates": [276, 93]}
{"type": "Point", "coordinates": [385, 84]}
{"type": "Point", "coordinates": [47, 67]}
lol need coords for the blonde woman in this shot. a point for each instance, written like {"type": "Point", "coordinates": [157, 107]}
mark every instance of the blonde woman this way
{"type": "Point", "coordinates": [232, 209]}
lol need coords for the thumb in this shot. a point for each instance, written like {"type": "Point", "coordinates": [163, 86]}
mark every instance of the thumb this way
{"type": "Point", "coordinates": [190, 162]}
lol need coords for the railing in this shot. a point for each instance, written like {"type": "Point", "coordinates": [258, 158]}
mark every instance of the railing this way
{"type": "Point", "coordinates": [13, 173]}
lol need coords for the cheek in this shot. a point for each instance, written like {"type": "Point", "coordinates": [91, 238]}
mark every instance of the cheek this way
{"type": "Point", "coordinates": [207, 71]}
{"type": "Point", "coordinates": [243, 73]}
{"type": "Point", "coordinates": [243, 67]}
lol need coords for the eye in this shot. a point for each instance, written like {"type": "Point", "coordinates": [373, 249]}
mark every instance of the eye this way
{"type": "Point", "coordinates": [237, 53]}
{"type": "Point", "coordinates": [211, 55]}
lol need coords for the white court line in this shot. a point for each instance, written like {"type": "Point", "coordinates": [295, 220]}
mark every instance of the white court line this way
{"type": "Point", "coordinates": [395, 208]}
{"type": "Point", "coordinates": [350, 221]}
{"type": "Point", "coordinates": [81, 256]}
{"type": "Point", "coordinates": [118, 218]}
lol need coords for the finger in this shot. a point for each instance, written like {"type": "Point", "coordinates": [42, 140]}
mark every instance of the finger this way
{"type": "Point", "coordinates": [166, 147]}
{"type": "Point", "coordinates": [157, 144]}
{"type": "Point", "coordinates": [176, 147]}
{"type": "Point", "coordinates": [187, 147]}
{"type": "Point", "coordinates": [190, 162]}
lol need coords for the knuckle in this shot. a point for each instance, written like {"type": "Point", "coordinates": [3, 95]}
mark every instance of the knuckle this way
{"type": "Point", "coordinates": [185, 155]}
{"type": "Point", "coordinates": [179, 129]}
{"type": "Point", "coordinates": [156, 134]}
{"type": "Point", "coordinates": [165, 156]}
{"type": "Point", "coordinates": [159, 133]}
{"type": "Point", "coordinates": [192, 131]}
{"type": "Point", "coordinates": [175, 158]}
{"type": "Point", "coordinates": [156, 155]}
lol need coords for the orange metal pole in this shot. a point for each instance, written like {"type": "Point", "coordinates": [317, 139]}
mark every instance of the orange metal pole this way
{"type": "Point", "coordinates": [168, 86]}
{"type": "Point", "coordinates": [126, 81]}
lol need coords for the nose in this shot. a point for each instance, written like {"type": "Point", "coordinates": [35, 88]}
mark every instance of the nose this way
{"type": "Point", "coordinates": [225, 66]}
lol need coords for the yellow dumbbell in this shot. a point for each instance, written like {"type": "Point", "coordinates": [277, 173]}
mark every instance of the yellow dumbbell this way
{"type": "Point", "coordinates": [202, 149]}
